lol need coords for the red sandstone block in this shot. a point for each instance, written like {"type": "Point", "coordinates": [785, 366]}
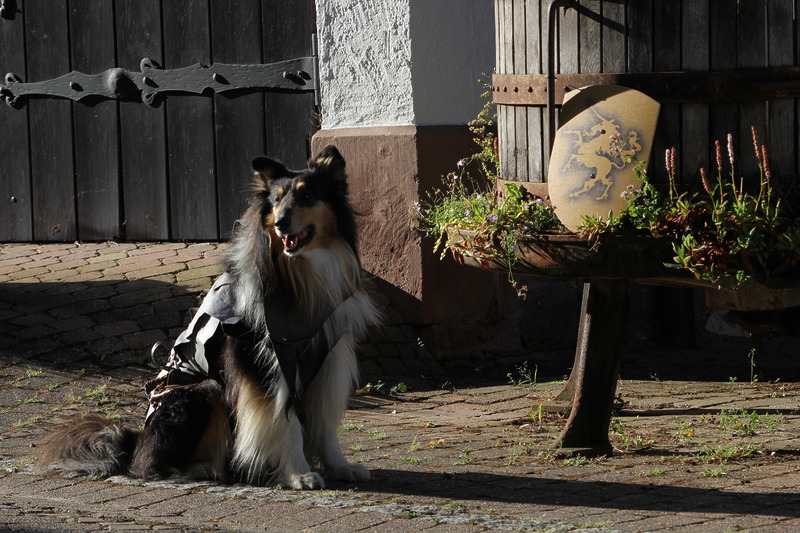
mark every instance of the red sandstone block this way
{"type": "Point", "coordinates": [17, 260]}
{"type": "Point", "coordinates": [124, 269]}
{"type": "Point", "coordinates": [143, 339]}
{"type": "Point", "coordinates": [58, 275]}
{"type": "Point", "coordinates": [17, 250]}
{"type": "Point", "coordinates": [42, 261]}
{"type": "Point", "coordinates": [210, 271]}
{"type": "Point", "coordinates": [109, 256]}
{"type": "Point", "coordinates": [206, 261]}
{"type": "Point", "coordinates": [157, 248]}
{"type": "Point", "coordinates": [183, 257]}
{"type": "Point", "coordinates": [8, 269]}
{"type": "Point", "coordinates": [28, 273]}
{"type": "Point", "coordinates": [151, 255]}
{"type": "Point", "coordinates": [72, 262]}
{"type": "Point", "coordinates": [116, 329]}
{"type": "Point", "coordinates": [152, 271]}
{"type": "Point", "coordinates": [54, 250]}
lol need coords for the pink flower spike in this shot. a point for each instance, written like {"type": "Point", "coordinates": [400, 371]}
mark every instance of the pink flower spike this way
{"type": "Point", "coordinates": [718, 155]}
{"type": "Point", "coordinates": [754, 134]}
{"type": "Point", "coordinates": [730, 149]}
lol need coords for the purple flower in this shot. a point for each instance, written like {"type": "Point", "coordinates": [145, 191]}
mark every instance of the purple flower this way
{"type": "Point", "coordinates": [493, 217]}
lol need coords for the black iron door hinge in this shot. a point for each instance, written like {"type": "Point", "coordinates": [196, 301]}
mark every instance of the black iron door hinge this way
{"type": "Point", "coordinates": [152, 82]}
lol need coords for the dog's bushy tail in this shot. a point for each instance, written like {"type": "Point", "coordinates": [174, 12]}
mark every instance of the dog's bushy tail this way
{"type": "Point", "coordinates": [92, 446]}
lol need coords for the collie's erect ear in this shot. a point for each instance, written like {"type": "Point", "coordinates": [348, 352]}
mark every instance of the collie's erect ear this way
{"type": "Point", "coordinates": [266, 170]}
{"type": "Point", "coordinates": [330, 161]}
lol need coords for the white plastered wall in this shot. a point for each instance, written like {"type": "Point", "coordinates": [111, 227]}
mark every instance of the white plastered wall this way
{"type": "Point", "coordinates": [403, 62]}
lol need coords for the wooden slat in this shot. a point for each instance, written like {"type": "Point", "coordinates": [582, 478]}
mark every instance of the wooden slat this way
{"type": "Point", "coordinates": [797, 102]}
{"type": "Point", "coordinates": [667, 56]}
{"type": "Point", "coordinates": [752, 52]}
{"type": "Point", "coordinates": [142, 129]}
{"type": "Point", "coordinates": [640, 56]}
{"type": "Point", "coordinates": [614, 29]}
{"type": "Point", "coordinates": [520, 115]}
{"type": "Point", "coordinates": [723, 116]}
{"type": "Point", "coordinates": [16, 223]}
{"type": "Point", "coordinates": [50, 124]}
{"type": "Point", "coordinates": [95, 125]}
{"type": "Point", "coordinates": [238, 119]}
{"type": "Point", "coordinates": [783, 136]}
{"type": "Point", "coordinates": [505, 64]}
{"type": "Point", "coordinates": [290, 119]}
{"type": "Point", "coordinates": [640, 36]}
{"type": "Point", "coordinates": [694, 117]}
{"type": "Point", "coordinates": [536, 118]}
{"type": "Point", "coordinates": [190, 126]}
{"type": "Point", "coordinates": [568, 52]}
{"type": "Point", "coordinates": [590, 37]}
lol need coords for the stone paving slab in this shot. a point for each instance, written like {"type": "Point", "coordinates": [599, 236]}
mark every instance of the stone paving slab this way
{"type": "Point", "coordinates": [449, 454]}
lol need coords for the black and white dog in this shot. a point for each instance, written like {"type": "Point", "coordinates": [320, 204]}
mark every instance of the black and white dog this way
{"type": "Point", "coordinates": [257, 384]}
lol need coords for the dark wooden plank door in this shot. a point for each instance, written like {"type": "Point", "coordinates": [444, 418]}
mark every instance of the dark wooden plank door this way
{"type": "Point", "coordinates": [96, 141]}
{"type": "Point", "coordinates": [16, 218]}
{"type": "Point", "coordinates": [287, 29]}
{"type": "Point", "coordinates": [190, 135]}
{"type": "Point", "coordinates": [179, 169]}
{"type": "Point", "coordinates": [238, 119]}
{"type": "Point", "coordinates": [142, 128]}
{"type": "Point", "coordinates": [52, 165]}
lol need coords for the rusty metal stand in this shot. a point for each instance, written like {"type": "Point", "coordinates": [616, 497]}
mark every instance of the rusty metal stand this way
{"type": "Point", "coordinates": [593, 381]}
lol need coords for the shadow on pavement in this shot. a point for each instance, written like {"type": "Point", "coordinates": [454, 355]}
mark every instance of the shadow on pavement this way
{"type": "Point", "coordinates": [571, 493]}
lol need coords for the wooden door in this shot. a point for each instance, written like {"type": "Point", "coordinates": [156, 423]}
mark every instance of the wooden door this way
{"type": "Point", "coordinates": [117, 168]}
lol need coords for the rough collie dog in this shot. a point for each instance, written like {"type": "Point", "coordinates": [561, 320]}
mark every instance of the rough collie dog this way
{"type": "Point", "coordinates": [255, 387]}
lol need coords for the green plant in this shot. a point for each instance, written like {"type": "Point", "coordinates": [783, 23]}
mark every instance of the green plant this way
{"type": "Point", "coordinates": [723, 454]}
{"type": "Point", "coordinates": [617, 429]}
{"type": "Point", "coordinates": [499, 219]}
{"type": "Point", "coordinates": [685, 432]}
{"type": "Point", "coordinates": [378, 435]}
{"type": "Point", "coordinates": [726, 233]}
{"type": "Point", "coordinates": [745, 423]}
{"type": "Point", "coordinates": [578, 460]}
{"type": "Point", "coordinates": [524, 375]}
{"type": "Point", "coordinates": [465, 458]}
{"type": "Point", "coordinates": [715, 472]}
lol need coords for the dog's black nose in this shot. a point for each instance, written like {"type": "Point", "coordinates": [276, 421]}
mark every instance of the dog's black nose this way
{"type": "Point", "coordinates": [283, 223]}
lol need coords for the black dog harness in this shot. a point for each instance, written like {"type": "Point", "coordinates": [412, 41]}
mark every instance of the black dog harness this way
{"type": "Point", "coordinates": [196, 352]}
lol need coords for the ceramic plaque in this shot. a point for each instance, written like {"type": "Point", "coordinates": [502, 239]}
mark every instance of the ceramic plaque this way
{"type": "Point", "coordinates": [601, 127]}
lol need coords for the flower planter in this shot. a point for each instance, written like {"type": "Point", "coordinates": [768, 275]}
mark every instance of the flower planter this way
{"type": "Point", "coordinates": [570, 256]}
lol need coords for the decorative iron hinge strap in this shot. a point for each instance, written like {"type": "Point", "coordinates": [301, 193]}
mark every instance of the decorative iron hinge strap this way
{"type": "Point", "coordinates": [666, 87]}
{"type": "Point", "coordinates": [152, 82]}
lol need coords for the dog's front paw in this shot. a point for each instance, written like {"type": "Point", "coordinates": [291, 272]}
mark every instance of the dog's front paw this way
{"type": "Point", "coordinates": [309, 480]}
{"type": "Point", "coordinates": [349, 472]}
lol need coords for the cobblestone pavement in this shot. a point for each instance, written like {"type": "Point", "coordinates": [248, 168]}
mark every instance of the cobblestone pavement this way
{"type": "Point", "coordinates": [696, 450]}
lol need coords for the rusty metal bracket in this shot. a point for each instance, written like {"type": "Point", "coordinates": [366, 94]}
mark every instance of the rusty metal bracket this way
{"type": "Point", "coordinates": [152, 82]}
{"type": "Point", "coordinates": [667, 87]}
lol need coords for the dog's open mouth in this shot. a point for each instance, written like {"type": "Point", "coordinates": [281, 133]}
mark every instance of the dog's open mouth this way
{"type": "Point", "coordinates": [292, 243]}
